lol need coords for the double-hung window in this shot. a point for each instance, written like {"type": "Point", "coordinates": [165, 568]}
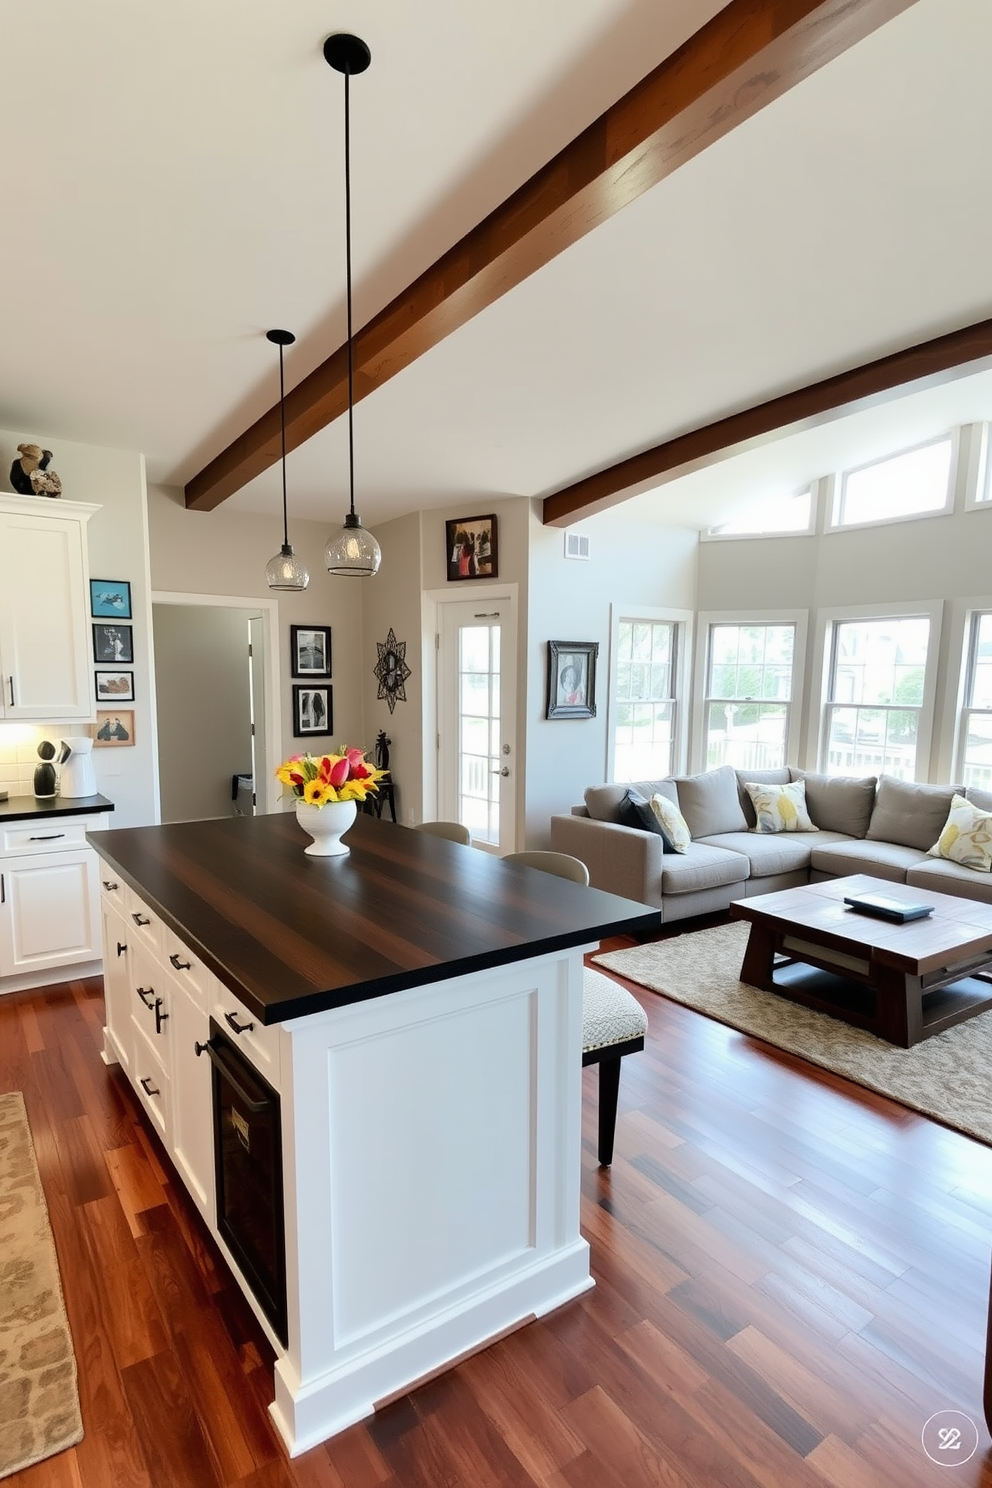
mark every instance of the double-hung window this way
{"type": "Point", "coordinates": [975, 732]}
{"type": "Point", "coordinates": [749, 687]}
{"type": "Point", "coordinates": [876, 706]}
{"type": "Point", "coordinates": [645, 701]}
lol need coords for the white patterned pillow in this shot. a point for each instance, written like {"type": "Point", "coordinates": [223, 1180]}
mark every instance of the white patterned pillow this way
{"type": "Point", "coordinates": [672, 823]}
{"type": "Point", "coordinates": [967, 836]}
{"type": "Point", "coordinates": [780, 808]}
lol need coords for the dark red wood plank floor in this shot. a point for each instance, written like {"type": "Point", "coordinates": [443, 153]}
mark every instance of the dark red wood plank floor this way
{"type": "Point", "coordinates": [792, 1276]}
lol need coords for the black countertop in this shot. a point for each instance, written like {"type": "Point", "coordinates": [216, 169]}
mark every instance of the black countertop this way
{"type": "Point", "coordinates": [291, 934]}
{"type": "Point", "coordinates": [23, 808]}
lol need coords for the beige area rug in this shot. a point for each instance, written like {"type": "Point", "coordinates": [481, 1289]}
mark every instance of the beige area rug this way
{"type": "Point", "coordinates": [946, 1076]}
{"type": "Point", "coordinates": [39, 1403]}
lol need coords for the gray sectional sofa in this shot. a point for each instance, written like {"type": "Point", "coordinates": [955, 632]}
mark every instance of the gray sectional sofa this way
{"type": "Point", "coordinates": [883, 827]}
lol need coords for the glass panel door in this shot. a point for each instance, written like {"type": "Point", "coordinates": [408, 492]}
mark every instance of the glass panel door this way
{"type": "Point", "coordinates": [475, 739]}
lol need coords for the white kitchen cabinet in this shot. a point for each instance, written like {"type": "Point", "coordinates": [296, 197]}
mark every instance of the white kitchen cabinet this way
{"type": "Point", "coordinates": [116, 975]}
{"type": "Point", "coordinates": [49, 911]}
{"type": "Point", "coordinates": [45, 669]}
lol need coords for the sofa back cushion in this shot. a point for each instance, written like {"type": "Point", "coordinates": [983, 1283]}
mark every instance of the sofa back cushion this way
{"type": "Point", "coordinates": [606, 802]}
{"type": "Point", "coordinates": [840, 803]}
{"type": "Point", "coordinates": [978, 797]}
{"type": "Point", "coordinates": [908, 813]}
{"type": "Point", "coordinates": [710, 803]}
{"type": "Point", "coordinates": [757, 777]}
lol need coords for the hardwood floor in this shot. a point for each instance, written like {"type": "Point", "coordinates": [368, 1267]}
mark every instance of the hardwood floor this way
{"type": "Point", "coordinates": [792, 1277]}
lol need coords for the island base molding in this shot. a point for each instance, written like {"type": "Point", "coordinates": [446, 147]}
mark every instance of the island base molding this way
{"type": "Point", "coordinates": [307, 1416]}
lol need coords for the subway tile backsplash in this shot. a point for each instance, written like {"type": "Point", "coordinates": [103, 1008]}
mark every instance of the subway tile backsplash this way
{"type": "Point", "coordinates": [18, 755]}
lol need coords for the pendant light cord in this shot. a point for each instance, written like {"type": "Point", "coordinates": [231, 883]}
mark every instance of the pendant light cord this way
{"type": "Point", "coordinates": [347, 261]}
{"type": "Point", "coordinates": [282, 421]}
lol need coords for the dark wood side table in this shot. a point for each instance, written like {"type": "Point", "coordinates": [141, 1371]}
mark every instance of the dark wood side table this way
{"type": "Point", "coordinates": [376, 800]}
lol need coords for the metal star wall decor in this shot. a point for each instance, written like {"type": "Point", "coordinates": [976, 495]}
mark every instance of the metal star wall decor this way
{"type": "Point", "coordinates": [392, 670]}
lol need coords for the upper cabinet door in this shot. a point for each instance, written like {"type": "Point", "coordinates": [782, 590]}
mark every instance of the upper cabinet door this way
{"type": "Point", "coordinates": [45, 669]}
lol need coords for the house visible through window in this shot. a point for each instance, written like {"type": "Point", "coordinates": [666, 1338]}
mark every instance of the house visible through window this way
{"type": "Point", "coordinates": [975, 755]}
{"type": "Point", "coordinates": [644, 727]}
{"type": "Point", "coordinates": [905, 485]}
{"type": "Point", "coordinates": [748, 695]}
{"type": "Point", "coordinates": [875, 696]}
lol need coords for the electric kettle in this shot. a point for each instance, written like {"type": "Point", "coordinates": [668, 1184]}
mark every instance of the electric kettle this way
{"type": "Point", "coordinates": [76, 777]}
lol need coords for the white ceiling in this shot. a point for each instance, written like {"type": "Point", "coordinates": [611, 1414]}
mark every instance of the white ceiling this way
{"type": "Point", "coordinates": [174, 188]}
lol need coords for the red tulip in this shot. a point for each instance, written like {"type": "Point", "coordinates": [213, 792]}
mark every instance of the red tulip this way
{"type": "Point", "coordinates": [339, 773]}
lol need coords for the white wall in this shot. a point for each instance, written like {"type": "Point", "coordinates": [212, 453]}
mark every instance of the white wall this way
{"type": "Point", "coordinates": [204, 707]}
{"type": "Point", "coordinates": [117, 536]}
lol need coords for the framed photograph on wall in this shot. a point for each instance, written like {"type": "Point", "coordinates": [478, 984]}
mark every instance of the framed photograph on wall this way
{"type": "Point", "coordinates": [114, 687]}
{"type": "Point", "coordinates": [312, 711]}
{"type": "Point", "coordinates": [471, 548]}
{"type": "Point", "coordinates": [113, 643]}
{"type": "Point", "coordinates": [310, 650]}
{"type": "Point", "coordinates": [572, 679]}
{"type": "Point", "coordinates": [114, 728]}
{"type": "Point", "coordinates": [110, 598]}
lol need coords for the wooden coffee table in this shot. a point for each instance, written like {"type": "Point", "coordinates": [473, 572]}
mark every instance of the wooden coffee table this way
{"type": "Point", "coordinates": [903, 982]}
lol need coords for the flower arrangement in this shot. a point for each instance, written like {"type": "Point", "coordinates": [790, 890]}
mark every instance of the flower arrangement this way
{"type": "Point", "coordinates": [322, 778]}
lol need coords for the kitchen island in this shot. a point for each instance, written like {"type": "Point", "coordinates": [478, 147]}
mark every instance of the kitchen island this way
{"type": "Point", "coordinates": [411, 1014]}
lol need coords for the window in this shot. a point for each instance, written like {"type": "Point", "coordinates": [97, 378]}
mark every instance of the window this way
{"type": "Point", "coordinates": [876, 685]}
{"type": "Point", "coordinates": [767, 518]}
{"type": "Point", "coordinates": [644, 699]}
{"type": "Point", "coordinates": [749, 687]}
{"type": "Point", "coordinates": [905, 485]}
{"type": "Point", "coordinates": [975, 767]}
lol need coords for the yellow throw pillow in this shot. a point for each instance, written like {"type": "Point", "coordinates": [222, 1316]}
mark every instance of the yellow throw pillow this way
{"type": "Point", "coordinates": [967, 837]}
{"type": "Point", "coordinates": [672, 823]}
{"type": "Point", "coordinates": [780, 808]}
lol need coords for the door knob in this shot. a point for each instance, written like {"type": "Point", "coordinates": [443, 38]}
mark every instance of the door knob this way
{"type": "Point", "coordinates": [505, 771]}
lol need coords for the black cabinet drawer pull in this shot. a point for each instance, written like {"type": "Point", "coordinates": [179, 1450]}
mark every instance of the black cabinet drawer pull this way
{"type": "Point", "coordinates": [160, 1017]}
{"type": "Point", "coordinates": [47, 837]}
{"type": "Point", "coordinates": [146, 994]}
{"type": "Point", "coordinates": [139, 919]}
{"type": "Point", "coordinates": [146, 1086]}
{"type": "Point", "coordinates": [121, 949]}
{"type": "Point", "coordinates": [109, 885]}
{"type": "Point", "coordinates": [232, 1018]}
{"type": "Point", "coordinates": [179, 965]}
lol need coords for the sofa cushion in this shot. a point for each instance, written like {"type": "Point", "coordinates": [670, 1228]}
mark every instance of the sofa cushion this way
{"type": "Point", "coordinates": [674, 831]}
{"type": "Point", "coordinates": [603, 802]}
{"type": "Point", "coordinates": [839, 803]}
{"type": "Point", "coordinates": [768, 854]}
{"type": "Point", "coordinates": [951, 878]}
{"type": "Point", "coordinates": [978, 797]}
{"type": "Point", "coordinates": [702, 867]}
{"type": "Point", "coordinates": [909, 813]}
{"type": "Point", "coordinates": [761, 777]}
{"type": "Point", "coordinates": [966, 837]}
{"type": "Point", "coordinates": [780, 808]}
{"type": "Point", "coordinates": [710, 803]}
{"type": "Point", "coordinates": [880, 859]}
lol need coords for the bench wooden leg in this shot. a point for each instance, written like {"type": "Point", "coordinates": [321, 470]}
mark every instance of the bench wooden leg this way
{"type": "Point", "coordinates": [609, 1094]}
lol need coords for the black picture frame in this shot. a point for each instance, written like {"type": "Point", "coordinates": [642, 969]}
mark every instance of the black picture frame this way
{"type": "Point", "coordinates": [572, 679]}
{"type": "Point", "coordinates": [113, 643]}
{"type": "Point", "coordinates": [310, 650]}
{"type": "Point", "coordinates": [113, 686]}
{"type": "Point", "coordinates": [313, 712]}
{"type": "Point", "coordinates": [472, 548]}
{"type": "Point", "coordinates": [110, 599]}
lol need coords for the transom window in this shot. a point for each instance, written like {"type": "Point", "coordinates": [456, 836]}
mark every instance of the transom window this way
{"type": "Point", "coordinates": [773, 514]}
{"type": "Point", "coordinates": [749, 679]}
{"type": "Point", "coordinates": [875, 696]}
{"type": "Point", "coordinates": [644, 727]}
{"type": "Point", "coordinates": [904, 485]}
{"type": "Point", "coordinates": [975, 766]}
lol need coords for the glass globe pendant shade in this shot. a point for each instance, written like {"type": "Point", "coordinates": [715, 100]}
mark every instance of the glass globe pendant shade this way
{"type": "Point", "coordinates": [353, 550]}
{"type": "Point", "coordinates": [285, 571]}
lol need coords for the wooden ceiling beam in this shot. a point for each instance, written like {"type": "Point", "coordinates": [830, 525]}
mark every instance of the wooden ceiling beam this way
{"type": "Point", "coordinates": [749, 54]}
{"type": "Point", "coordinates": [939, 359]}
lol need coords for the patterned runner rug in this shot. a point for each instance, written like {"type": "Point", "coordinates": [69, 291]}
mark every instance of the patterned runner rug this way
{"type": "Point", "coordinates": [39, 1404]}
{"type": "Point", "coordinates": [945, 1077]}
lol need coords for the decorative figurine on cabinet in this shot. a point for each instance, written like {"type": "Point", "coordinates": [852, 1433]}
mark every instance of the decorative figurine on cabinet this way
{"type": "Point", "coordinates": [46, 780]}
{"type": "Point", "coordinates": [30, 475]}
{"type": "Point", "coordinates": [382, 750]}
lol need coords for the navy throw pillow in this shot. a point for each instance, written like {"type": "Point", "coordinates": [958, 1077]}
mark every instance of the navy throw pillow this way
{"type": "Point", "coordinates": [635, 811]}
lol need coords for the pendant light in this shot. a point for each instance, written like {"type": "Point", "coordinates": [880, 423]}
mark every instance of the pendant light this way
{"type": "Point", "coordinates": [352, 550]}
{"type": "Point", "coordinates": [284, 571]}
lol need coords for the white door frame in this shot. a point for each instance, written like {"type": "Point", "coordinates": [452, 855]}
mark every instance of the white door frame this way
{"type": "Point", "coordinates": [269, 608]}
{"type": "Point", "coordinates": [492, 592]}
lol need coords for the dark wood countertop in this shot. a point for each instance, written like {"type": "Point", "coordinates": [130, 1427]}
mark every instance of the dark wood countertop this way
{"type": "Point", "coordinates": [23, 808]}
{"type": "Point", "coordinates": [291, 934]}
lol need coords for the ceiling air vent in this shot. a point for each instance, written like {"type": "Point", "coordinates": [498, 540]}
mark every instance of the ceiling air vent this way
{"type": "Point", "coordinates": [576, 545]}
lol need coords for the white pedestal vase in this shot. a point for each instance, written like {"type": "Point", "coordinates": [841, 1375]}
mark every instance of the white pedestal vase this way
{"type": "Point", "coordinates": [326, 825]}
